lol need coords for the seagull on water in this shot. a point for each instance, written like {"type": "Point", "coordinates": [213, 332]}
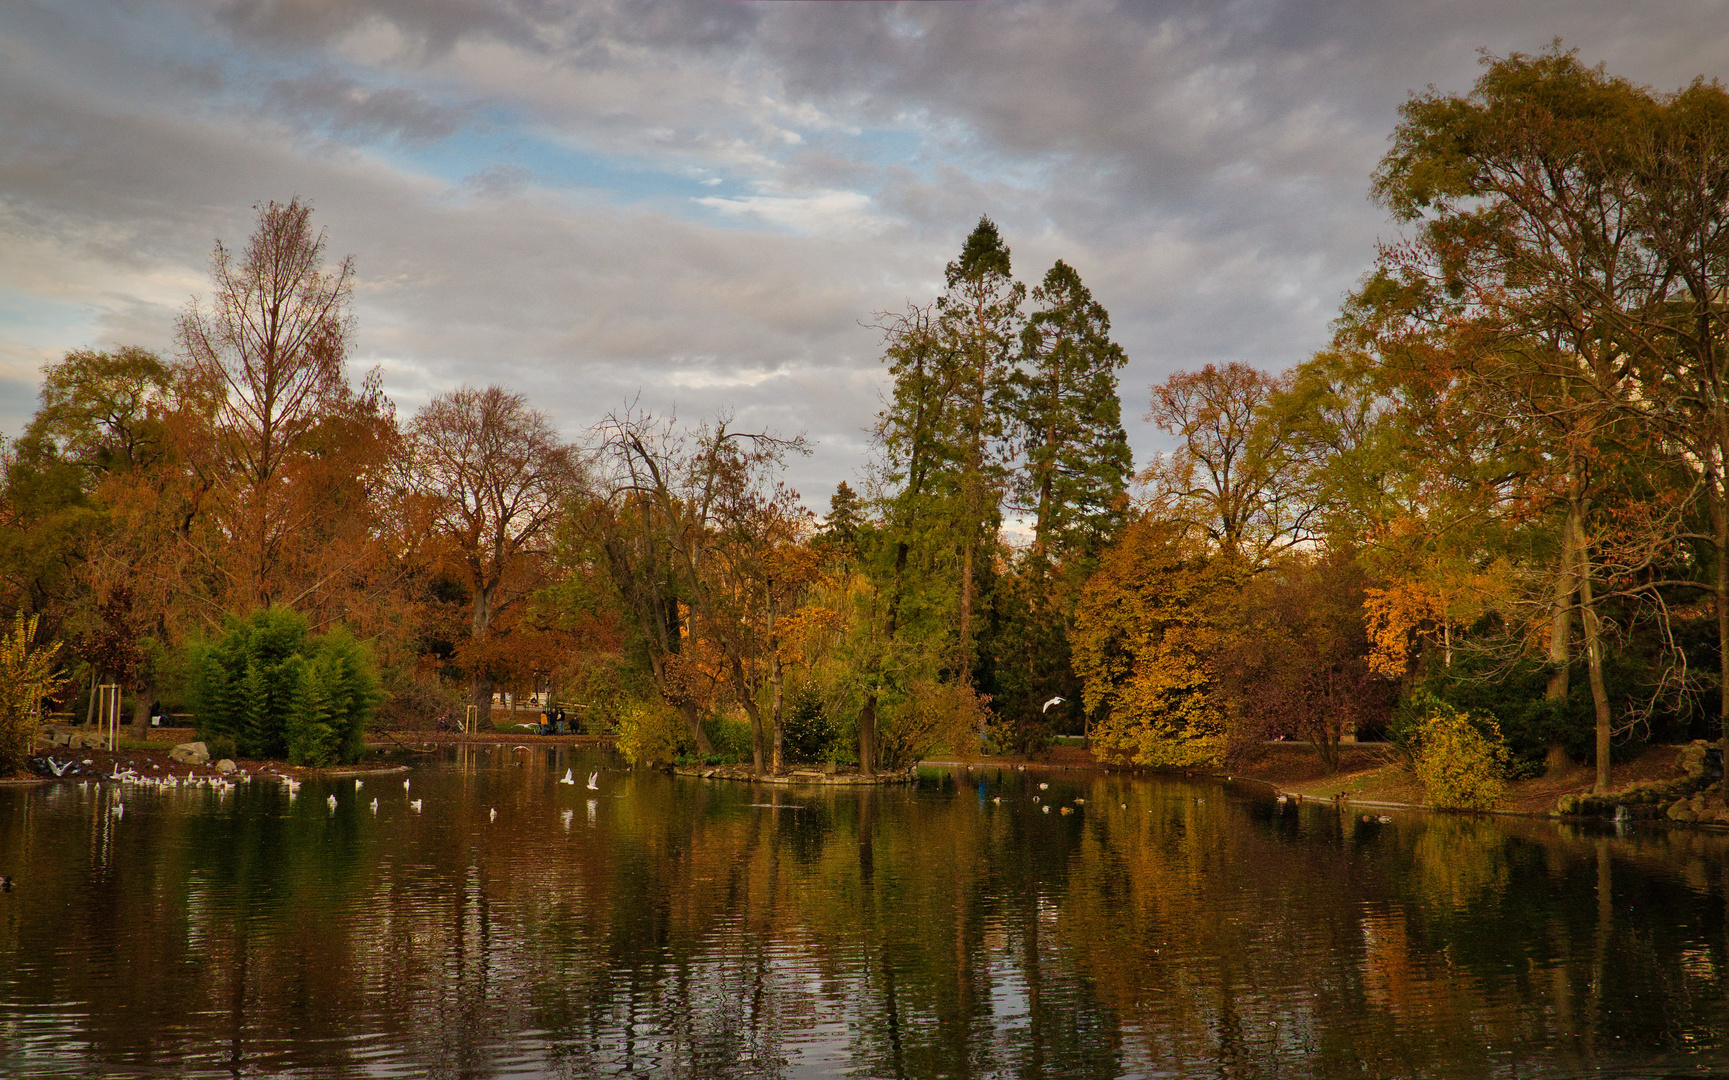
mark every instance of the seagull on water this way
{"type": "Point", "coordinates": [358, 784]}
{"type": "Point", "coordinates": [375, 806]}
{"type": "Point", "coordinates": [494, 816]}
{"type": "Point", "coordinates": [405, 785]}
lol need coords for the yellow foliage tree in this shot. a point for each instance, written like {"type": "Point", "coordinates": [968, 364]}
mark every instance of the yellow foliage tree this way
{"type": "Point", "coordinates": [1151, 626]}
{"type": "Point", "coordinates": [26, 677]}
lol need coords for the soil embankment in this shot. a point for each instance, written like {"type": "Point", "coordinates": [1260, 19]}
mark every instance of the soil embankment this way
{"type": "Point", "coordinates": [1374, 773]}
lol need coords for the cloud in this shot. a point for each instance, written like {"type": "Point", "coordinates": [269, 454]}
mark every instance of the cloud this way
{"type": "Point", "coordinates": [701, 202]}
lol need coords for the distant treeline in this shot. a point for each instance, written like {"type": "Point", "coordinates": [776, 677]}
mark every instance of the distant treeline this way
{"type": "Point", "coordinates": [1502, 488]}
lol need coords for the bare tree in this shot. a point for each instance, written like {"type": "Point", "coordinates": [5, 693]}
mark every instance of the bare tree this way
{"type": "Point", "coordinates": [1232, 475]}
{"type": "Point", "coordinates": [268, 354]}
{"type": "Point", "coordinates": [498, 476]}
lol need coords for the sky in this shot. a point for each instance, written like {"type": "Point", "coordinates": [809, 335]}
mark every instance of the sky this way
{"type": "Point", "coordinates": [697, 208]}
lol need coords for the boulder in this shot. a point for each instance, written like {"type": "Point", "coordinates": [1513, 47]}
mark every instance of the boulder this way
{"type": "Point", "coordinates": [226, 765]}
{"type": "Point", "coordinates": [190, 753]}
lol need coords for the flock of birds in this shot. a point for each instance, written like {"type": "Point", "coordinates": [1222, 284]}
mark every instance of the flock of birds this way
{"type": "Point", "coordinates": [222, 784]}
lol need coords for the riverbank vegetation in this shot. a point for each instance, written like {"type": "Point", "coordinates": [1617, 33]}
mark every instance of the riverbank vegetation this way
{"type": "Point", "coordinates": [1496, 501]}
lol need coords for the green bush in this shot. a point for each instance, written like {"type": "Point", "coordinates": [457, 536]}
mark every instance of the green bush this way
{"type": "Point", "coordinates": [221, 746]}
{"type": "Point", "coordinates": [730, 736]}
{"type": "Point", "coordinates": [278, 693]}
{"type": "Point", "coordinates": [26, 677]}
{"type": "Point", "coordinates": [807, 734]}
{"type": "Point", "coordinates": [649, 733]}
{"type": "Point", "coordinates": [1461, 761]}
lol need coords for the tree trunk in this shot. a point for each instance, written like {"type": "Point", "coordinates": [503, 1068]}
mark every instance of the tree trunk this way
{"type": "Point", "coordinates": [748, 700]}
{"type": "Point", "coordinates": [1720, 523]}
{"type": "Point", "coordinates": [1561, 630]}
{"type": "Point", "coordinates": [966, 643]}
{"type": "Point", "coordinates": [778, 761]}
{"type": "Point", "coordinates": [480, 696]}
{"type": "Point", "coordinates": [693, 727]}
{"type": "Point", "coordinates": [867, 737]}
{"type": "Point", "coordinates": [1593, 650]}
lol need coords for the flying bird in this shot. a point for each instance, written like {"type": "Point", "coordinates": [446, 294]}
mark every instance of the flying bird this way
{"type": "Point", "coordinates": [415, 806]}
{"type": "Point", "coordinates": [594, 781]}
{"type": "Point", "coordinates": [358, 784]}
{"type": "Point", "coordinates": [568, 778]}
{"type": "Point", "coordinates": [1053, 701]}
{"type": "Point", "coordinates": [375, 806]}
{"type": "Point", "coordinates": [332, 802]}
{"type": "Point", "coordinates": [494, 816]}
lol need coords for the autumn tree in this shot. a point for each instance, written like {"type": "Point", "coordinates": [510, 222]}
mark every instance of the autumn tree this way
{"type": "Point", "coordinates": [269, 352]}
{"type": "Point", "coordinates": [497, 476]}
{"type": "Point", "coordinates": [1151, 636]}
{"type": "Point", "coordinates": [691, 528]}
{"type": "Point", "coordinates": [1232, 475]}
{"type": "Point", "coordinates": [1523, 195]}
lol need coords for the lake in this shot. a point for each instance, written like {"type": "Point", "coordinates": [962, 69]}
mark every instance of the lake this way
{"type": "Point", "coordinates": [662, 926]}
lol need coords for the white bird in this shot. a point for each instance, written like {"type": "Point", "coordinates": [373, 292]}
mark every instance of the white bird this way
{"type": "Point", "coordinates": [594, 781]}
{"type": "Point", "coordinates": [375, 806]}
{"type": "Point", "coordinates": [405, 785]}
{"type": "Point", "coordinates": [332, 802]}
{"type": "Point", "coordinates": [1053, 701]}
{"type": "Point", "coordinates": [59, 769]}
{"type": "Point", "coordinates": [494, 816]}
{"type": "Point", "coordinates": [358, 784]}
{"type": "Point", "coordinates": [568, 778]}
{"type": "Point", "coordinates": [1046, 809]}
{"type": "Point", "coordinates": [1043, 785]}
{"type": "Point", "coordinates": [293, 784]}
{"type": "Point", "coordinates": [415, 806]}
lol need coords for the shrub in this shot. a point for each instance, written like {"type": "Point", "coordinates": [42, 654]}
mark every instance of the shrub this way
{"type": "Point", "coordinates": [807, 733]}
{"type": "Point", "coordinates": [649, 733]}
{"type": "Point", "coordinates": [277, 693]}
{"type": "Point", "coordinates": [332, 704]}
{"type": "Point", "coordinates": [1461, 761]}
{"type": "Point", "coordinates": [26, 678]}
{"type": "Point", "coordinates": [221, 746]}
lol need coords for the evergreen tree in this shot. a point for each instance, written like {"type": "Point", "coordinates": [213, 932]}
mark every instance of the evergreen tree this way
{"type": "Point", "coordinates": [979, 321]}
{"type": "Point", "coordinates": [1068, 418]}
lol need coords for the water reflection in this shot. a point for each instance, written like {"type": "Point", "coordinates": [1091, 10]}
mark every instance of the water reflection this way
{"type": "Point", "coordinates": [518, 926]}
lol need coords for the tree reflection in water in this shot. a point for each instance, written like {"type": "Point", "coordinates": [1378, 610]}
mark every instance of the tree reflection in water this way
{"type": "Point", "coordinates": [1168, 927]}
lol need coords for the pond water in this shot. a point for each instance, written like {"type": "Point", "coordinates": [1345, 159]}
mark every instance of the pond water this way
{"type": "Point", "coordinates": [664, 926]}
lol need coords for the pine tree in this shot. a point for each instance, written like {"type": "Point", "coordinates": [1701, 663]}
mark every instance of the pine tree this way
{"type": "Point", "coordinates": [979, 321]}
{"type": "Point", "coordinates": [1068, 419]}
